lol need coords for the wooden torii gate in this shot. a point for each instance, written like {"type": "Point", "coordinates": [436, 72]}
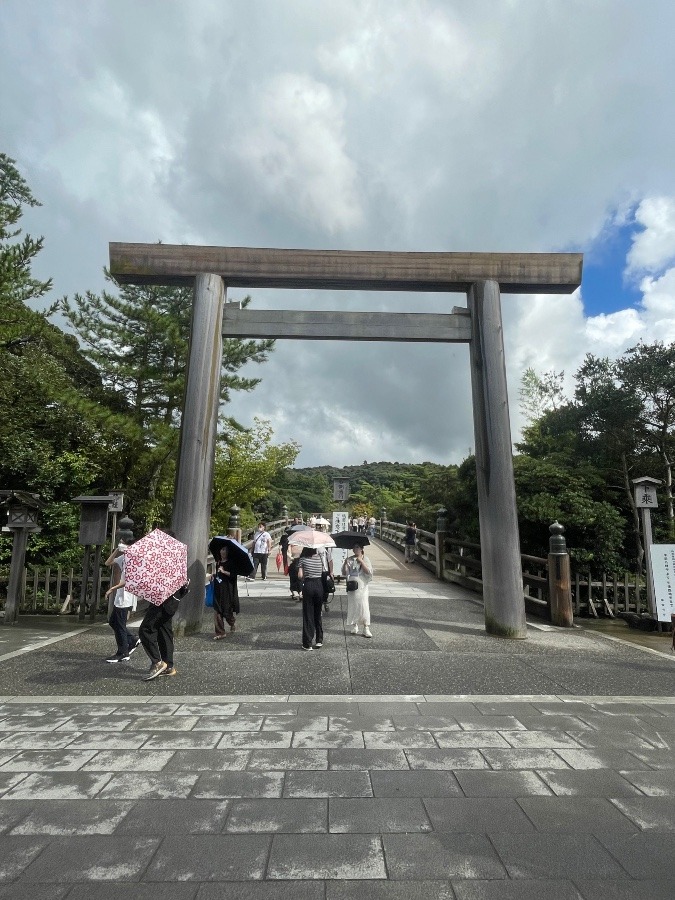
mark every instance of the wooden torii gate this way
{"type": "Point", "coordinates": [481, 275]}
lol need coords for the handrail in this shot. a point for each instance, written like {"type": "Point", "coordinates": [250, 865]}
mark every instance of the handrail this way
{"type": "Point", "coordinates": [460, 563]}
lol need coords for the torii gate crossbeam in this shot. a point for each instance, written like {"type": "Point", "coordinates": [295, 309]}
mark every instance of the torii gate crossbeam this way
{"type": "Point", "coordinates": [480, 275]}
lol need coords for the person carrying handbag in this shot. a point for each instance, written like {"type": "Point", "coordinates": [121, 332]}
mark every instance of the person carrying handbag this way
{"type": "Point", "coordinates": [358, 571]}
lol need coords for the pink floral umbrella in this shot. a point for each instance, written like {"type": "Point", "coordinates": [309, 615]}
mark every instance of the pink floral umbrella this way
{"type": "Point", "coordinates": [155, 567]}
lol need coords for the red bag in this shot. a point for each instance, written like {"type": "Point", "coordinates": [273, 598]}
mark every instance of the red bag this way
{"type": "Point", "coordinates": [279, 560]}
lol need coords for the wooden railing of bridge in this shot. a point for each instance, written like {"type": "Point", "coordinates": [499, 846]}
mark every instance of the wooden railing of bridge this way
{"type": "Point", "coordinates": [46, 588]}
{"type": "Point", "coordinates": [459, 562]}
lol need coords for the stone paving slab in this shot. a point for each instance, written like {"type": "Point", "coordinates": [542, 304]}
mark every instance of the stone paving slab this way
{"type": "Point", "coordinates": [491, 819]}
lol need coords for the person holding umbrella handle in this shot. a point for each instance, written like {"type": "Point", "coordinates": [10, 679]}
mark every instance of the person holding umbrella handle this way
{"type": "Point", "coordinates": [358, 571]}
{"type": "Point", "coordinates": [225, 595]}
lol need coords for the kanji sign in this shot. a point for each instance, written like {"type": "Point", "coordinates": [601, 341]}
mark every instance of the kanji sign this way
{"type": "Point", "coordinates": [645, 497]}
{"type": "Point", "coordinates": [340, 522]}
{"type": "Point", "coordinates": [340, 490]}
{"type": "Point", "coordinates": [662, 560]}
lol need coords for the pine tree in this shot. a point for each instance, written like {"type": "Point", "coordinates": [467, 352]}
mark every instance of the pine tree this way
{"type": "Point", "coordinates": [138, 341]}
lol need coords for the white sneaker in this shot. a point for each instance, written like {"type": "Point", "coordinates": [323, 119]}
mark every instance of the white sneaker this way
{"type": "Point", "coordinates": [367, 632]}
{"type": "Point", "coordinates": [355, 629]}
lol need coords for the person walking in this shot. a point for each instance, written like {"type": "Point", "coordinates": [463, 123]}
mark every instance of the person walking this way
{"type": "Point", "coordinates": [225, 596]}
{"type": "Point", "coordinates": [358, 572]}
{"type": "Point", "coordinates": [410, 541]}
{"type": "Point", "coordinates": [309, 570]}
{"type": "Point", "coordinates": [123, 603]}
{"type": "Point", "coordinates": [262, 547]}
{"type": "Point", "coordinates": [156, 632]}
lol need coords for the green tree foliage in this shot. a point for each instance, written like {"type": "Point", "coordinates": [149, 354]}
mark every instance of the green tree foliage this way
{"type": "Point", "coordinates": [137, 340]}
{"type": "Point", "coordinates": [246, 463]}
{"type": "Point", "coordinates": [540, 393]}
{"type": "Point", "coordinates": [17, 284]}
{"type": "Point", "coordinates": [46, 445]}
{"type": "Point", "coordinates": [618, 426]}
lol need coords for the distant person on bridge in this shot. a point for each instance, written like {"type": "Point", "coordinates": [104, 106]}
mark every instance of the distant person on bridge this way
{"type": "Point", "coordinates": [410, 541]}
{"type": "Point", "coordinates": [358, 571]}
{"type": "Point", "coordinates": [262, 547]}
{"type": "Point", "coordinates": [291, 561]}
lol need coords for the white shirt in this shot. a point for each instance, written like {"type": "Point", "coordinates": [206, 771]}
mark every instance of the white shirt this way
{"type": "Point", "coordinates": [123, 599]}
{"type": "Point", "coordinates": [262, 543]}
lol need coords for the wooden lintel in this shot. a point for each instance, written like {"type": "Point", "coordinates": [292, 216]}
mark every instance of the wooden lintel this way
{"type": "Point", "coordinates": [548, 273]}
{"type": "Point", "coordinates": [317, 325]}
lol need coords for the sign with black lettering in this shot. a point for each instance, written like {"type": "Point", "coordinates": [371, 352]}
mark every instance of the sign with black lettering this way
{"type": "Point", "coordinates": [662, 561]}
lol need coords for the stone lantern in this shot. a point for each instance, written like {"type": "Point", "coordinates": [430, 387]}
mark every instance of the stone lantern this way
{"type": "Point", "coordinates": [93, 532]}
{"type": "Point", "coordinates": [22, 519]}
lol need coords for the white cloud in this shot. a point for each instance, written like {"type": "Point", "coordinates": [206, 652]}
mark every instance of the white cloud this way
{"type": "Point", "coordinates": [654, 246]}
{"type": "Point", "coordinates": [296, 151]}
{"type": "Point", "coordinates": [356, 124]}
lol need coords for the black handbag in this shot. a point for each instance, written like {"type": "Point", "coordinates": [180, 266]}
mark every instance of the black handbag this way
{"type": "Point", "coordinates": [328, 582]}
{"type": "Point", "coordinates": [352, 586]}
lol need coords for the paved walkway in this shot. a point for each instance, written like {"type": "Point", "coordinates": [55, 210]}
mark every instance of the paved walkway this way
{"type": "Point", "coordinates": [431, 762]}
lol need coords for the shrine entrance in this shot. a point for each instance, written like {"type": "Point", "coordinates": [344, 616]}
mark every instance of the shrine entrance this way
{"type": "Point", "coordinates": [481, 276]}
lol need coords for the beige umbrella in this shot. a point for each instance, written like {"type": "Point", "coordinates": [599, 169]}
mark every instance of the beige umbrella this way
{"type": "Point", "coordinates": [311, 539]}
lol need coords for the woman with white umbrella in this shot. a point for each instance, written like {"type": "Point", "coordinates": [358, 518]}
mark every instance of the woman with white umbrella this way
{"type": "Point", "coordinates": [310, 572]}
{"type": "Point", "coordinates": [358, 571]}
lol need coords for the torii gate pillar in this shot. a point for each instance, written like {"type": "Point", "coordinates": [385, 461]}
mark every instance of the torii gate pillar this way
{"type": "Point", "coordinates": [194, 477]}
{"type": "Point", "coordinates": [497, 510]}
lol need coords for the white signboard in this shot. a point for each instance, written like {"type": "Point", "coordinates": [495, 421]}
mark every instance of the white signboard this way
{"type": "Point", "coordinates": [340, 522]}
{"type": "Point", "coordinates": [645, 498]}
{"type": "Point", "coordinates": [662, 560]}
{"type": "Point", "coordinates": [116, 504]}
{"type": "Point", "coordinates": [340, 490]}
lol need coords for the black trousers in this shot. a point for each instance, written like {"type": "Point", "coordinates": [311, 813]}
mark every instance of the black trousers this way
{"type": "Point", "coordinates": [260, 559]}
{"type": "Point", "coordinates": [156, 631]}
{"type": "Point", "coordinates": [118, 622]}
{"type": "Point", "coordinates": [312, 603]}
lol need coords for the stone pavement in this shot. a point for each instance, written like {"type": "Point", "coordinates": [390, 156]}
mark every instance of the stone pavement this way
{"type": "Point", "coordinates": [336, 798]}
{"type": "Point", "coordinates": [431, 762]}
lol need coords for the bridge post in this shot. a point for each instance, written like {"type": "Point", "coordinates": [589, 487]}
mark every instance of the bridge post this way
{"type": "Point", "coordinates": [194, 477]}
{"type": "Point", "coordinates": [234, 523]}
{"type": "Point", "coordinates": [559, 581]}
{"type": "Point", "coordinates": [441, 532]}
{"type": "Point", "coordinates": [497, 513]}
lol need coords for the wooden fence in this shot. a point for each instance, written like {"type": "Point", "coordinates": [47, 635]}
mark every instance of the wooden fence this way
{"type": "Point", "coordinates": [45, 589]}
{"type": "Point", "coordinates": [460, 563]}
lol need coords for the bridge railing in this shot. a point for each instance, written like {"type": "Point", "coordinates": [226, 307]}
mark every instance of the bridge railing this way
{"type": "Point", "coordinates": [459, 562]}
{"type": "Point", "coordinates": [45, 588]}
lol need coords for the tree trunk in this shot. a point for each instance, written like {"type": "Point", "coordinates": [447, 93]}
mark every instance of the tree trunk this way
{"type": "Point", "coordinates": [636, 515]}
{"type": "Point", "coordinates": [668, 466]}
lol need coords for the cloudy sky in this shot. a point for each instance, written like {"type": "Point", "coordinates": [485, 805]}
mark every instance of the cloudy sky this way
{"type": "Point", "coordinates": [439, 125]}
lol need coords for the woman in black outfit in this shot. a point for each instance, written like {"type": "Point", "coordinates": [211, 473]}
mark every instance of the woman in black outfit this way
{"type": "Point", "coordinates": [309, 571]}
{"type": "Point", "coordinates": [225, 597]}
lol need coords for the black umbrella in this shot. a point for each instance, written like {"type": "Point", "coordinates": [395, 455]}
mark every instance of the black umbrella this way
{"type": "Point", "coordinates": [349, 539]}
{"type": "Point", "coordinates": [238, 558]}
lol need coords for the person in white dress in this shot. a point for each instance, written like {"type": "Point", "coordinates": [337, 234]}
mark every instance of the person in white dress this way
{"type": "Point", "coordinates": [358, 569]}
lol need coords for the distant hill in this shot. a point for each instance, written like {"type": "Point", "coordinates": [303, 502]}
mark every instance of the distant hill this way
{"type": "Point", "coordinates": [406, 490]}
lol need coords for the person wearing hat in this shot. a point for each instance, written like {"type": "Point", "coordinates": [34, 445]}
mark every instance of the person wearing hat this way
{"type": "Point", "coordinates": [123, 602]}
